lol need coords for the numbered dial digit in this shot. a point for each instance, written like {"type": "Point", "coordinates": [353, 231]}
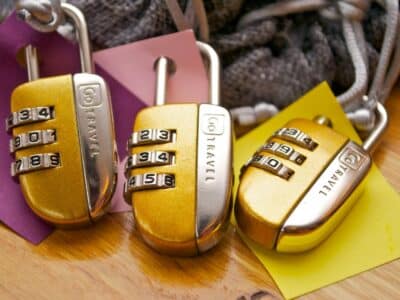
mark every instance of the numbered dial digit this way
{"type": "Point", "coordinates": [164, 135]}
{"type": "Point", "coordinates": [149, 181]}
{"type": "Point", "coordinates": [151, 136]}
{"type": "Point", "coordinates": [35, 162]}
{"type": "Point", "coordinates": [297, 137]}
{"type": "Point", "coordinates": [29, 115]}
{"type": "Point", "coordinates": [272, 165]}
{"type": "Point", "coordinates": [169, 180]}
{"type": "Point", "coordinates": [284, 151]}
{"type": "Point", "coordinates": [149, 159]}
{"type": "Point", "coordinates": [143, 157]}
{"type": "Point", "coordinates": [44, 113]}
{"type": "Point", "coordinates": [25, 115]}
{"type": "Point", "coordinates": [32, 138]}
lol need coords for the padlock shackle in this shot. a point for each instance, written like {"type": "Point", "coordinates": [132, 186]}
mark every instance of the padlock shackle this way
{"type": "Point", "coordinates": [375, 135]}
{"type": "Point", "coordinates": [163, 67]}
{"type": "Point", "coordinates": [214, 72]}
{"type": "Point", "coordinates": [32, 63]}
{"type": "Point", "coordinates": [82, 33]}
{"type": "Point", "coordinates": [87, 66]}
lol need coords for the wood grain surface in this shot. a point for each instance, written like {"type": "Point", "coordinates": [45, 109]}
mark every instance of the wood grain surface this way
{"type": "Point", "coordinates": [109, 261]}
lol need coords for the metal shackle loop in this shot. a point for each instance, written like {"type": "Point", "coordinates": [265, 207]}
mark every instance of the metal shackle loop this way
{"type": "Point", "coordinates": [82, 34]}
{"type": "Point", "coordinates": [164, 66]}
{"type": "Point", "coordinates": [32, 62]}
{"type": "Point", "coordinates": [375, 135]}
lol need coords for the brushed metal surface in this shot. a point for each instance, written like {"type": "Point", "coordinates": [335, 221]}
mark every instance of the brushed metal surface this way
{"type": "Point", "coordinates": [374, 137]}
{"type": "Point", "coordinates": [97, 140]}
{"type": "Point", "coordinates": [214, 174]}
{"type": "Point", "coordinates": [325, 197]}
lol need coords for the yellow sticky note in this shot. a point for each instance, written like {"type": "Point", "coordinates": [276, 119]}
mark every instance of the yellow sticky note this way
{"type": "Point", "coordinates": [369, 236]}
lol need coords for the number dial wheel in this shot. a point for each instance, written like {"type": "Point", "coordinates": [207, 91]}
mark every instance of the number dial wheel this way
{"type": "Point", "coordinates": [35, 162]}
{"type": "Point", "coordinates": [29, 115]}
{"type": "Point", "coordinates": [32, 139]}
{"type": "Point", "coordinates": [149, 159]}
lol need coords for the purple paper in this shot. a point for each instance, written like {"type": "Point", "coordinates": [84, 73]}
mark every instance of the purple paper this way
{"type": "Point", "coordinates": [57, 56]}
{"type": "Point", "coordinates": [125, 107]}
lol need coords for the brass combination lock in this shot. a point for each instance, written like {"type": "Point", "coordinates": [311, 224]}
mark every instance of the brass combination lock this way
{"type": "Point", "coordinates": [63, 139]}
{"type": "Point", "coordinates": [180, 169]}
{"type": "Point", "coordinates": [298, 187]}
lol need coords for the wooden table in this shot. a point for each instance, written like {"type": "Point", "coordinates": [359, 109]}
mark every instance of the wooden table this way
{"type": "Point", "coordinates": [110, 261]}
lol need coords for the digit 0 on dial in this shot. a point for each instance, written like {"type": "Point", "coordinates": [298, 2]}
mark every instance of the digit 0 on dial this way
{"type": "Point", "coordinates": [180, 169]}
{"type": "Point", "coordinates": [63, 140]}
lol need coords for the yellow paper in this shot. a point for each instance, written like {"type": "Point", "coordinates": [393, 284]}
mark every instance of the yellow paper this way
{"type": "Point", "coordinates": [369, 235]}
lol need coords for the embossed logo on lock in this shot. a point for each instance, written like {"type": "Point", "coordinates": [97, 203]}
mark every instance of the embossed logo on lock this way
{"type": "Point", "coordinates": [352, 158]}
{"type": "Point", "coordinates": [214, 124]}
{"type": "Point", "coordinates": [90, 95]}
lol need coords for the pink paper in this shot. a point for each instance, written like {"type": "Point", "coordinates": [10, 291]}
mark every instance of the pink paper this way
{"type": "Point", "coordinates": [133, 66]}
{"type": "Point", "coordinates": [118, 203]}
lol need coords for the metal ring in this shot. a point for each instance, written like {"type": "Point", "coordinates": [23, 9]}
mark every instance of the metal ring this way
{"type": "Point", "coordinates": [43, 15]}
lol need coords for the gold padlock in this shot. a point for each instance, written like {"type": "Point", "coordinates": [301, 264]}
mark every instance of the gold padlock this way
{"type": "Point", "coordinates": [180, 169]}
{"type": "Point", "coordinates": [63, 139]}
{"type": "Point", "coordinates": [301, 183]}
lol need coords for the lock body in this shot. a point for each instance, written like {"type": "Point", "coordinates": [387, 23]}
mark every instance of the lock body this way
{"type": "Point", "coordinates": [76, 188]}
{"type": "Point", "coordinates": [188, 213]}
{"type": "Point", "coordinates": [297, 212]}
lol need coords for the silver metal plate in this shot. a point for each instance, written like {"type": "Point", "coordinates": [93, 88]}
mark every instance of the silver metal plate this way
{"type": "Point", "coordinates": [297, 137]}
{"type": "Point", "coordinates": [35, 162]}
{"type": "Point", "coordinates": [151, 136]}
{"type": "Point", "coordinates": [330, 191]}
{"type": "Point", "coordinates": [97, 140]}
{"type": "Point", "coordinates": [32, 139]}
{"type": "Point", "coordinates": [214, 174]}
{"type": "Point", "coordinates": [29, 115]}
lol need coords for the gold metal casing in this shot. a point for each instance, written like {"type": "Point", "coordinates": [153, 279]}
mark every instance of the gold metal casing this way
{"type": "Point", "coordinates": [191, 217]}
{"type": "Point", "coordinates": [175, 207]}
{"type": "Point", "coordinates": [265, 201]}
{"type": "Point", "coordinates": [54, 194]}
{"type": "Point", "coordinates": [72, 194]}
